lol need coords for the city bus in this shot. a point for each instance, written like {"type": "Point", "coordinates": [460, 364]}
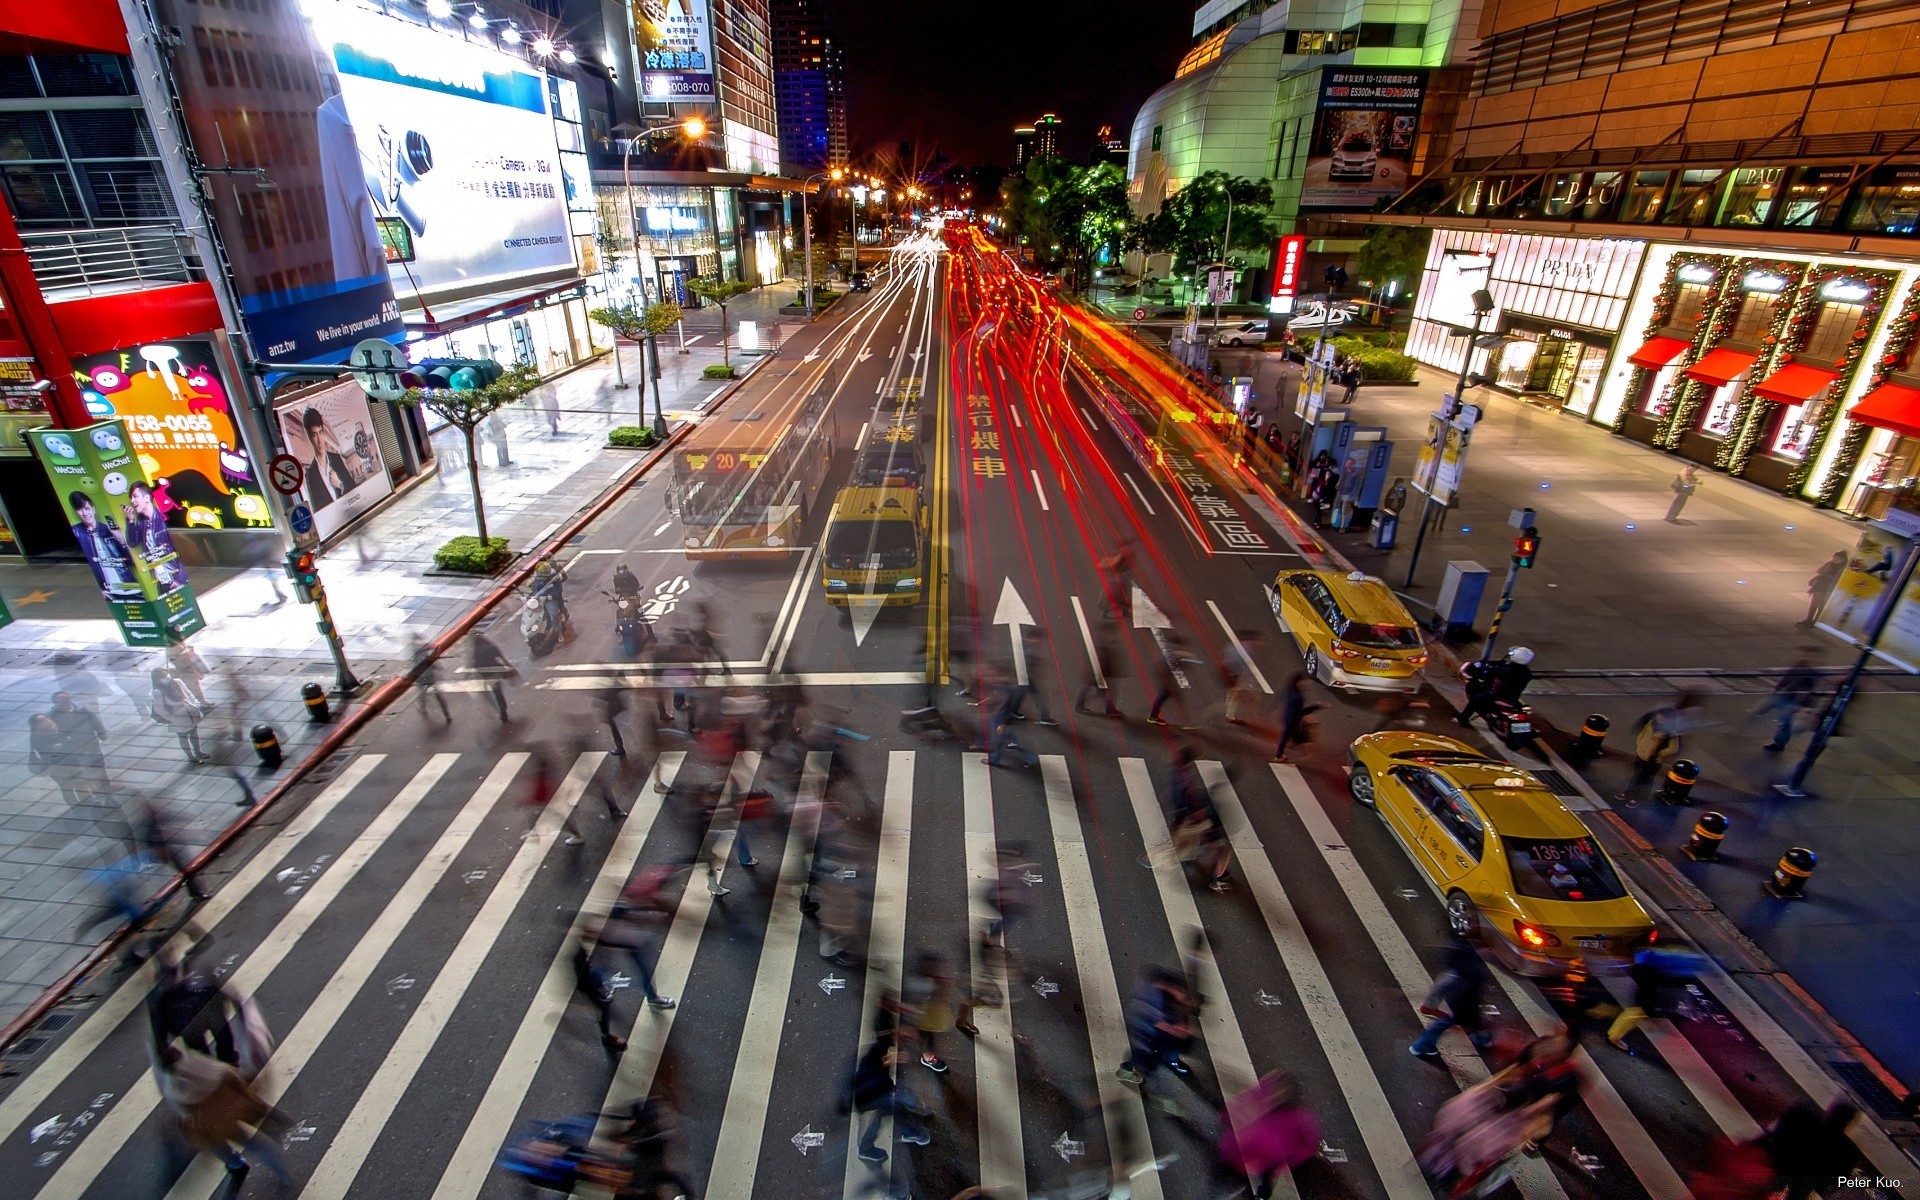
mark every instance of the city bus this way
{"type": "Point", "coordinates": [744, 481]}
{"type": "Point", "coordinates": [876, 548]}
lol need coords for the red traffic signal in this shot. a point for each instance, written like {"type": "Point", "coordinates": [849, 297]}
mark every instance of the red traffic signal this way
{"type": "Point", "coordinates": [1525, 547]}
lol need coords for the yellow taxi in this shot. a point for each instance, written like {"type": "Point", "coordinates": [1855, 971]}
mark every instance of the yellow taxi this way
{"type": "Point", "coordinates": [1502, 851]}
{"type": "Point", "coordinates": [876, 548]}
{"type": "Point", "coordinates": [1351, 629]}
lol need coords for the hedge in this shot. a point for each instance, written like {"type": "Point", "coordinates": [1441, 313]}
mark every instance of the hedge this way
{"type": "Point", "coordinates": [638, 436]}
{"type": "Point", "coordinates": [466, 553]}
{"type": "Point", "coordinates": [717, 371]}
{"type": "Point", "coordinates": [1376, 362]}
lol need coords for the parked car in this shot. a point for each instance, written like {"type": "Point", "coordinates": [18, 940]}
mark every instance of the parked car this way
{"type": "Point", "coordinates": [1246, 333]}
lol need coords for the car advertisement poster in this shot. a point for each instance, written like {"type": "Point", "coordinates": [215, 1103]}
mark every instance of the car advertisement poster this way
{"type": "Point", "coordinates": [1873, 566]}
{"type": "Point", "coordinates": [330, 431]}
{"type": "Point", "coordinates": [179, 416]}
{"type": "Point", "coordinates": [1363, 134]}
{"type": "Point", "coordinates": [109, 501]}
{"type": "Point", "coordinates": [674, 42]}
{"type": "Point", "coordinates": [457, 151]}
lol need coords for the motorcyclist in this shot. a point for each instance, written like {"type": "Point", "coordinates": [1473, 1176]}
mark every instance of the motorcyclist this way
{"type": "Point", "coordinates": [550, 586]}
{"type": "Point", "coordinates": [625, 586]}
{"type": "Point", "coordinates": [1490, 684]}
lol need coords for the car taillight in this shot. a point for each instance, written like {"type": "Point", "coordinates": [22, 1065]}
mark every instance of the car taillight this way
{"type": "Point", "coordinates": [1417, 660]}
{"type": "Point", "coordinates": [1342, 650]}
{"type": "Point", "coordinates": [1529, 935]}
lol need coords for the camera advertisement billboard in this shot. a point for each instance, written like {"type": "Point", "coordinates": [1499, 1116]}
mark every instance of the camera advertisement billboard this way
{"type": "Point", "coordinates": [179, 416]}
{"type": "Point", "coordinates": [108, 499]}
{"type": "Point", "coordinates": [457, 151]}
{"type": "Point", "coordinates": [1363, 133]}
{"type": "Point", "coordinates": [330, 431]}
{"type": "Point", "coordinates": [674, 42]}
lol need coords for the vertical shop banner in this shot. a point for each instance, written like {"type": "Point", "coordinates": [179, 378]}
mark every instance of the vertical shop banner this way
{"type": "Point", "coordinates": [1363, 135]}
{"type": "Point", "coordinates": [456, 148]}
{"type": "Point", "coordinates": [109, 500]}
{"type": "Point", "coordinates": [180, 418]}
{"type": "Point", "coordinates": [1851, 607]}
{"type": "Point", "coordinates": [674, 41]}
{"type": "Point", "coordinates": [331, 432]}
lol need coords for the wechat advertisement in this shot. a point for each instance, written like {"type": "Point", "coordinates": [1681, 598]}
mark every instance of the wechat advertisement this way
{"type": "Point", "coordinates": [109, 501]}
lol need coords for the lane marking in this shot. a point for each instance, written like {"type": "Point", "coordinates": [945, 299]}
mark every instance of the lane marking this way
{"type": "Point", "coordinates": [1121, 1108]}
{"type": "Point", "coordinates": [736, 1155]}
{"type": "Point", "coordinates": [1701, 1080]}
{"type": "Point", "coordinates": [1240, 648]}
{"type": "Point", "coordinates": [79, 1048]}
{"type": "Point", "coordinates": [1086, 639]}
{"type": "Point", "coordinates": [886, 945]}
{"type": "Point", "coordinates": [1003, 1169]}
{"type": "Point", "coordinates": [860, 439]}
{"type": "Point", "coordinates": [139, 1100]}
{"type": "Point", "coordinates": [381, 1094]}
{"type": "Point", "coordinates": [1015, 414]}
{"type": "Point", "coordinates": [492, 1120]}
{"type": "Point", "coordinates": [1386, 1142]}
{"type": "Point", "coordinates": [1040, 490]}
{"type": "Point", "coordinates": [1144, 502]}
{"type": "Point", "coordinates": [1086, 416]}
{"type": "Point", "coordinates": [664, 526]}
{"type": "Point", "coordinates": [1226, 1044]}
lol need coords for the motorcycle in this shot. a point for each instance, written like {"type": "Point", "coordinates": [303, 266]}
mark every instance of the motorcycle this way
{"type": "Point", "coordinates": [1509, 720]}
{"type": "Point", "coordinates": [540, 624]}
{"type": "Point", "coordinates": [627, 625]}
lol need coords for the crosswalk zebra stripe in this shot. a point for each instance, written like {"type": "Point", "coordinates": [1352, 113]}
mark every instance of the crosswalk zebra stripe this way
{"type": "Point", "coordinates": [382, 1093]}
{"type": "Point", "coordinates": [492, 1119]}
{"type": "Point", "coordinates": [1120, 1106]}
{"type": "Point", "coordinates": [1701, 1080]}
{"type": "Point", "coordinates": [736, 1154]}
{"type": "Point", "coordinates": [1379, 1128]}
{"type": "Point", "coordinates": [141, 1097]}
{"type": "Point", "coordinates": [1003, 1170]}
{"type": "Point", "coordinates": [78, 1048]}
{"type": "Point", "coordinates": [886, 941]}
{"type": "Point", "coordinates": [1226, 1045]}
{"type": "Point", "coordinates": [1532, 1176]}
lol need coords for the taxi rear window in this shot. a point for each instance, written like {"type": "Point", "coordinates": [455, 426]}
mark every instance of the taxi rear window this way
{"type": "Point", "coordinates": [1562, 869]}
{"type": "Point", "coordinates": [1380, 637]}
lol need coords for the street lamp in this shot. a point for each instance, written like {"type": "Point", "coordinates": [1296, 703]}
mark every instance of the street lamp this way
{"type": "Point", "coordinates": [694, 128]}
{"type": "Point", "coordinates": [1226, 244]}
{"type": "Point", "coordinates": [806, 229]}
{"type": "Point", "coordinates": [1482, 306]}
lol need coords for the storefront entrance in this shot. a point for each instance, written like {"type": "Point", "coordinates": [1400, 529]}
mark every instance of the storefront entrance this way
{"type": "Point", "coordinates": [1558, 368]}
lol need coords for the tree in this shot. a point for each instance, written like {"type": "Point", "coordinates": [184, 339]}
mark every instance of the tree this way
{"type": "Point", "coordinates": [624, 321]}
{"type": "Point", "coordinates": [465, 408]}
{"type": "Point", "coordinates": [721, 292]}
{"type": "Point", "coordinates": [641, 326]}
{"type": "Point", "coordinates": [1394, 252]}
{"type": "Point", "coordinates": [1192, 223]}
{"type": "Point", "coordinates": [1067, 213]}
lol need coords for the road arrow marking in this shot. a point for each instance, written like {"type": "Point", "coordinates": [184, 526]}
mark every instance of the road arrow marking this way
{"type": "Point", "coordinates": [1332, 1154]}
{"type": "Point", "coordinates": [807, 1140]}
{"type": "Point", "coordinates": [1409, 894]}
{"type": "Point", "coordinates": [1269, 1000]}
{"type": "Point", "coordinates": [846, 873]}
{"type": "Point", "coordinates": [865, 354]}
{"type": "Point", "coordinates": [832, 983]}
{"type": "Point", "coordinates": [1031, 877]}
{"type": "Point", "coordinates": [1147, 615]}
{"type": "Point", "coordinates": [809, 356]}
{"type": "Point", "coordinates": [1068, 1149]}
{"type": "Point", "coordinates": [1012, 612]}
{"type": "Point", "coordinates": [399, 983]}
{"type": "Point", "coordinates": [864, 610]}
{"type": "Point", "coordinates": [1046, 987]}
{"type": "Point", "coordinates": [618, 980]}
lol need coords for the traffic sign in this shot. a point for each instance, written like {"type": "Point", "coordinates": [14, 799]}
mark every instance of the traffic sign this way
{"type": "Point", "coordinates": [300, 517]}
{"type": "Point", "coordinates": [1139, 314]}
{"type": "Point", "coordinates": [285, 474]}
{"type": "Point", "coordinates": [376, 365]}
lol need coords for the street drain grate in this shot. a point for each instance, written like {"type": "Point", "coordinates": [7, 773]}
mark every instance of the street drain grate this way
{"type": "Point", "coordinates": [54, 1023]}
{"type": "Point", "coordinates": [27, 1047]}
{"type": "Point", "coordinates": [1866, 1085]}
{"type": "Point", "coordinates": [1554, 780]}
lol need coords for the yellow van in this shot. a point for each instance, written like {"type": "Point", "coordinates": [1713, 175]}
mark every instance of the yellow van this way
{"type": "Point", "coordinates": [1351, 629]}
{"type": "Point", "coordinates": [876, 547]}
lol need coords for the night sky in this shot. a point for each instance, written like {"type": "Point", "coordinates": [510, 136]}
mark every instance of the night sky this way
{"type": "Point", "coordinates": [958, 75]}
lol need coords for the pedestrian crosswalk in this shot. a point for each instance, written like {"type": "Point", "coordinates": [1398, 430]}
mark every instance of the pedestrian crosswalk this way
{"type": "Point", "coordinates": [408, 931]}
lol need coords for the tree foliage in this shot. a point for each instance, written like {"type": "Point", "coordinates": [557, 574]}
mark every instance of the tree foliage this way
{"type": "Point", "coordinates": [721, 292]}
{"type": "Point", "coordinates": [1067, 213]}
{"type": "Point", "coordinates": [1394, 252]}
{"type": "Point", "coordinates": [1192, 223]}
{"type": "Point", "coordinates": [465, 409]}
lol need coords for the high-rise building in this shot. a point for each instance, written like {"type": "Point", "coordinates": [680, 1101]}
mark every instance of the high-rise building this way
{"type": "Point", "coordinates": [1022, 147]}
{"type": "Point", "coordinates": [1107, 149]}
{"type": "Point", "coordinates": [1046, 137]}
{"type": "Point", "coordinates": [810, 89]}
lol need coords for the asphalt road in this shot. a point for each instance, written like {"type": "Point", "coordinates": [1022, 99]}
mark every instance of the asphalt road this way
{"type": "Point", "coordinates": [404, 921]}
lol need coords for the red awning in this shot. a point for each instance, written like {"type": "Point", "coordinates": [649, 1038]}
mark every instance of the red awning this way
{"type": "Point", "coordinates": [1892, 406]}
{"type": "Point", "coordinates": [1721, 366]}
{"type": "Point", "coordinates": [1795, 383]}
{"type": "Point", "coordinates": [1658, 352]}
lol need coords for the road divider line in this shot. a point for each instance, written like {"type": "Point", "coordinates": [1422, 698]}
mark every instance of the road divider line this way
{"type": "Point", "coordinates": [860, 439]}
{"type": "Point", "coordinates": [996, 1075]}
{"type": "Point", "coordinates": [1386, 1142]}
{"type": "Point", "coordinates": [137, 1103]}
{"type": "Point", "coordinates": [493, 1118]}
{"type": "Point", "coordinates": [1129, 1145]}
{"type": "Point", "coordinates": [1240, 648]}
{"type": "Point", "coordinates": [1040, 490]}
{"type": "Point", "coordinates": [1015, 414]}
{"type": "Point", "coordinates": [886, 945]}
{"type": "Point", "coordinates": [1144, 502]}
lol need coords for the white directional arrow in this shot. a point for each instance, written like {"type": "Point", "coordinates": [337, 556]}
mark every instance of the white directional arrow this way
{"type": "Point", "coordinates": [807, 1140]}
{"type": "Point", "coordinates": [866, 352]}
{"type": "Point", "coordinates": [1012, 612]}
{"type": "Point", "coordinates": [914, 354]}
{"type": "Point", "coordinates": [1147, 616]}
{"type": "Point", "coordinates": [809, 356]}
{"type": "Point", "coordinates": [1067, 1148]}
{"type": "Point", "coordinates": [864, 610]}
{"type": "Point", "coordinates": [1046, 987]}
{"type": "Point", "coordinates": [1268, 1000]}
{"type": "Point", "coordinates": [1031, 877]}
{"type": "Point", "coordinates": [832, 983]}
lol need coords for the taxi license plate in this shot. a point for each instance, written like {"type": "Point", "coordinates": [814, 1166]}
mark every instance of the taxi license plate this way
{"type": "Point", "coordinates": [1521, 727]}
{"type": "Point", "coordinates": [1383, 664]}
{"type": "Point", "coordinates": [1594, 943]}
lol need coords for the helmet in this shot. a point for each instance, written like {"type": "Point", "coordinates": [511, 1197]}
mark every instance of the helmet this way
{"type": "Point", "coordinates": [1520, 654]}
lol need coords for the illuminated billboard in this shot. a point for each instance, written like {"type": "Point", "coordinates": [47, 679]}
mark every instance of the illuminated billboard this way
{"type": "Point", "coordinates": [674, 42]}
{"type": "Point", "coordinates": [1363, 133]}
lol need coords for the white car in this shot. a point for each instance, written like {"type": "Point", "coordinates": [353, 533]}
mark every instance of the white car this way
{"type": "Point", "coordinates": [1247, 333]}
{"type": "Point", "coordinates": [1354, 159]}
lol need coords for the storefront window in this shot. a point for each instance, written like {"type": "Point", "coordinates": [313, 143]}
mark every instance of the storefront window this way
{"type": "Point", "coordinates": [1516, 365]}
{"type": "Point", "coordinates": [1660, 395]}
{"type": "Point", "coordinates": [1832, 330]}
{"type": "Point", "coordinates": [1793, 437]}
{"type": "Point", "coordinates": [1814, 198]}
{"type": "Point", "coordinates": [1602, 192]}
{"type": "Point", "coordinates": [1719, 419]}
{"type": "Point", "coordinates": [1890, 204]}
{"type": "Point", "coordinates": [1751, 195]}
{"type": "Point", "coordinates": [1586, 380]}
{"type": "Point", "coordinates": [1693, 198]}
{"type": "Point", "coordinates": [1563, 194]}
{"type": "Point", "coordinates": [1756, 316]}
{"type": "Point", "coordinates": [1688, 303]}
{"type": "Point", "coordinates": [1644, 196]}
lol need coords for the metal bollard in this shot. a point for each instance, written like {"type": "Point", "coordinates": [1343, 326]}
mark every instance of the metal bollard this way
{"type": "Point", "coordinates": [1678, 786]}
{"type": "Point", "coordinates": [1708, 832]}
{"type": "Point", "coordinates": [1789, 880]}
{"type": "Point", "coordinates": [266, 743]}
{"type": "Point", "coordinates": [1593, 732]}
{"type": "Point", "coordinates": [315, 698]}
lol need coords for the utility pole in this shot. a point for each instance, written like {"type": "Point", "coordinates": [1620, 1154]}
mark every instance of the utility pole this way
{"type": "Point", "coordinates": [1897, 584]}
{"type": "Point", "coordinates": [1226, 244]}
{"type": "Point", "coordinates": [1482, 305]}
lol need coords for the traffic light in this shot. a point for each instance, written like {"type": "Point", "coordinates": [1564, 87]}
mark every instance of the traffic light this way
{"type": "Point", "coordinates": [452, 374]}
{"type": "Point", "coordinates": [304, 573]}
{"type": "Point", "coordinates": [1526, 546]}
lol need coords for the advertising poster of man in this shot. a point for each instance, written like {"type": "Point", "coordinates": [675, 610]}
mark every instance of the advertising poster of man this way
{"type": "Point", "coordinates": [109, 501]}
{"type": "Point", "coordinates": [1363, 134]}
{"type": "Point", "coordinates": [330, 431]}
{"type": "Point", "coordinates": [1872, 568]}
{"type": "Point", "coordinates": [178, 413]}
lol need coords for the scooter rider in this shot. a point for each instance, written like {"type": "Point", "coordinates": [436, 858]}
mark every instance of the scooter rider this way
{"type": "Point", "coordinates": [550, 585]}
{"type": "Point", "coordinates": [1490, 684]}
{"type": "Point", "coordinates": [625, 586]}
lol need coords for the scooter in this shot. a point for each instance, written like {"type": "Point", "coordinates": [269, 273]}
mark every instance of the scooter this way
{"type": "Point", "coordinates": [1512, 723]}
{"type": "Point", "coordinates": [539, 626]}
{"type": "Point", "coordinates": [628, 626]}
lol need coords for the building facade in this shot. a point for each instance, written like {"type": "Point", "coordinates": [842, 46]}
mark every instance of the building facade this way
{"type": "Point", "coordinates": [810, 86]}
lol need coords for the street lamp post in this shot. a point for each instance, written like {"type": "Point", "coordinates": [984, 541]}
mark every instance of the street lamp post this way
{"type": "Point", "coordinates": [1482, 305]}
{"type": "Point", "coordinates": [806, 230]}
{"type": "Point", "coordinates": [1226, 245]}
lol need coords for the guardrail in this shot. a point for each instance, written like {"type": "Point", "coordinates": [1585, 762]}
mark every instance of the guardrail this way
{"type": "Point", "coordinates": [93, 261]}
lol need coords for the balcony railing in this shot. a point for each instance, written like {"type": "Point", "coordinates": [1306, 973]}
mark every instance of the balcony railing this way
{"type": "Point", "coordinates": [96, 261]}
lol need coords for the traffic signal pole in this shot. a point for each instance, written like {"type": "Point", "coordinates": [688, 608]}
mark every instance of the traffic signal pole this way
{"type": "Point", "coordinates": [305, 574]}
{"type": "Point", "coordinates": [1525, 547]}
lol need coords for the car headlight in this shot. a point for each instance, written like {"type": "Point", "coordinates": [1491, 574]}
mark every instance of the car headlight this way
{"type": "Point", "coordinates": [906, 584]}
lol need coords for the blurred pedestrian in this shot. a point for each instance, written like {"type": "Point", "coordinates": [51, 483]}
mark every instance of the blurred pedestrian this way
{"type": "Point", "coordinates": [1166, 679]}
{"type": "Point", "coordinates": [1294, 711]}
{"type": "Point", "coordinates": [927, 1000]}
{"type": "Point", "coordinates": [1159, 1028]}
{"type": "Point", "coordinates": [1656, 743]}
{"type": "Point", "coordinates": [541, 789]}
{"type": "Point", "coordinates": [1791, 696]}
{"type": "Point", "coordinates": [154, 828]}
{"type": "Point", "coordinates": [188, 667]}
{"type": "Point", "coordinates": [46, 757]}
{"type": "Point", "coordinates": [1104, 669]}
{"type": "Point", "coordinates": [83, 741]}
{"type": "Point", "coordinates": [1660, 979]}
{"type": "Point", "coordinates": [611, 704]}
{"type": "Point", "coordinates": [873, 1089]}
{"type": "Point", "coordinates": [550, 405]}
{"type": "Point", "coordinates": [1683, 487]}
{"type": "Point", "coordinates": [639, 929]}
{"type": "Point", "coordinates": [1821, 585]}
{"type": "Point", "coordinates": [1460, 988]}
{"type": "Point", "coordinates": [173, 706]}
{"type": "Point", "coordinates": [490, 664]}
{"type": "Point", "coordinates": [1809, 1147]}
{"type": "Point", "coordinates": [594, 985]}
{"type": "Point", "coordinates": [216, 1111]}
{"type": "Point", "coordinates": [426, 665]}
{"type": "Point", "coordinates": [652, 1141]}
{"type": "Point", "coordinates": [1269, 1131]}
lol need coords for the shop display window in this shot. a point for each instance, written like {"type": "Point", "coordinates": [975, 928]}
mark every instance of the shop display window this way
{"type": "Point", "coordinates": [1693, 198]}
{"type": "Point", "coordinates": [1815, 197]}
{"type": "Point", "coordinates": [1516, 365]}
{"type": "Point", "coordinates": [1720, 413]}
{"type": "Point", "coordinates": [1793, 436]}
{"type": "Point", "coordinates": [1750, 196]}
{"type": "Point", "coordinates": [1644, 196]}
{"type": "Point", "coordinates": [1660, 395]}
{"type": "Point", "coordinates": [1890, 204]}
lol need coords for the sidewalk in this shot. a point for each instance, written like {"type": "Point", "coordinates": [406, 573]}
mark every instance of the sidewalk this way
{"type": "Point", "coordinates": [1618, 590]}
{"type": "Point", "coordinates": [262, 649]}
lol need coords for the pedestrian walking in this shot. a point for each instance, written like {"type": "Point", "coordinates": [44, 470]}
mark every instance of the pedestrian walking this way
{"type": "Point", "coordinates": [490, 664]}
{"type": "Point", "coordinates": [1159, 1027]}
{"type": "Point", "coordinates": [593, 984]}
{"type": "Point", "coordinates": [496, 430]}
{"type": "Point", "coordinates": [188, 667]}
{"type": "Point", "coordinates": [1460, 988]}
{"type": "Point", "coordinates": [1821, 585]}
{"type": "Point", "coordinates": [1656, 743]}
{"type": "Point", "coordinates": [652, 1140]}
{"type": "Point", "coordinates": [155, 831]}
{"type": "Point", "coordinates": [46, 757]}
{"type": "Point", "coordinates": [1683, 486]}
{"type": "Point", "coordinates": [1269, 1130]}
{"type": "Point", "coordinates": [426, 676]}
{"type": "Point", "coordinates": [611, 704]}
{"type": "Point", "coordinates": [550, 405]}
{"type": "Point", "coordinates": [1294, 711]}
{"type": "Point", "coordinates": [1166, 672]}
{"type": "Point", "coordinates": [83, 741]}
{"type": "Point", "coordinates": [1236, 676]}
{"type": "Point", "coordinates": [875, 1089]}
{"type": "Point", "coordinates": [927, 1000]}
{"type": "Point", "coordinates": [1809, 1147]}
{"type": "Point", "coordinates": [171, 705]}
{"type": "Point", "coordinates": [1352, 381]}
{"type": "Point", "coordinates": [1790, 697]}
{"type": "Point", "coordinates": [541, 787]}
{"type": "Point", "coordinates": [1104, 669]}
{"type": "Point", "coordinates": [639, 929]}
